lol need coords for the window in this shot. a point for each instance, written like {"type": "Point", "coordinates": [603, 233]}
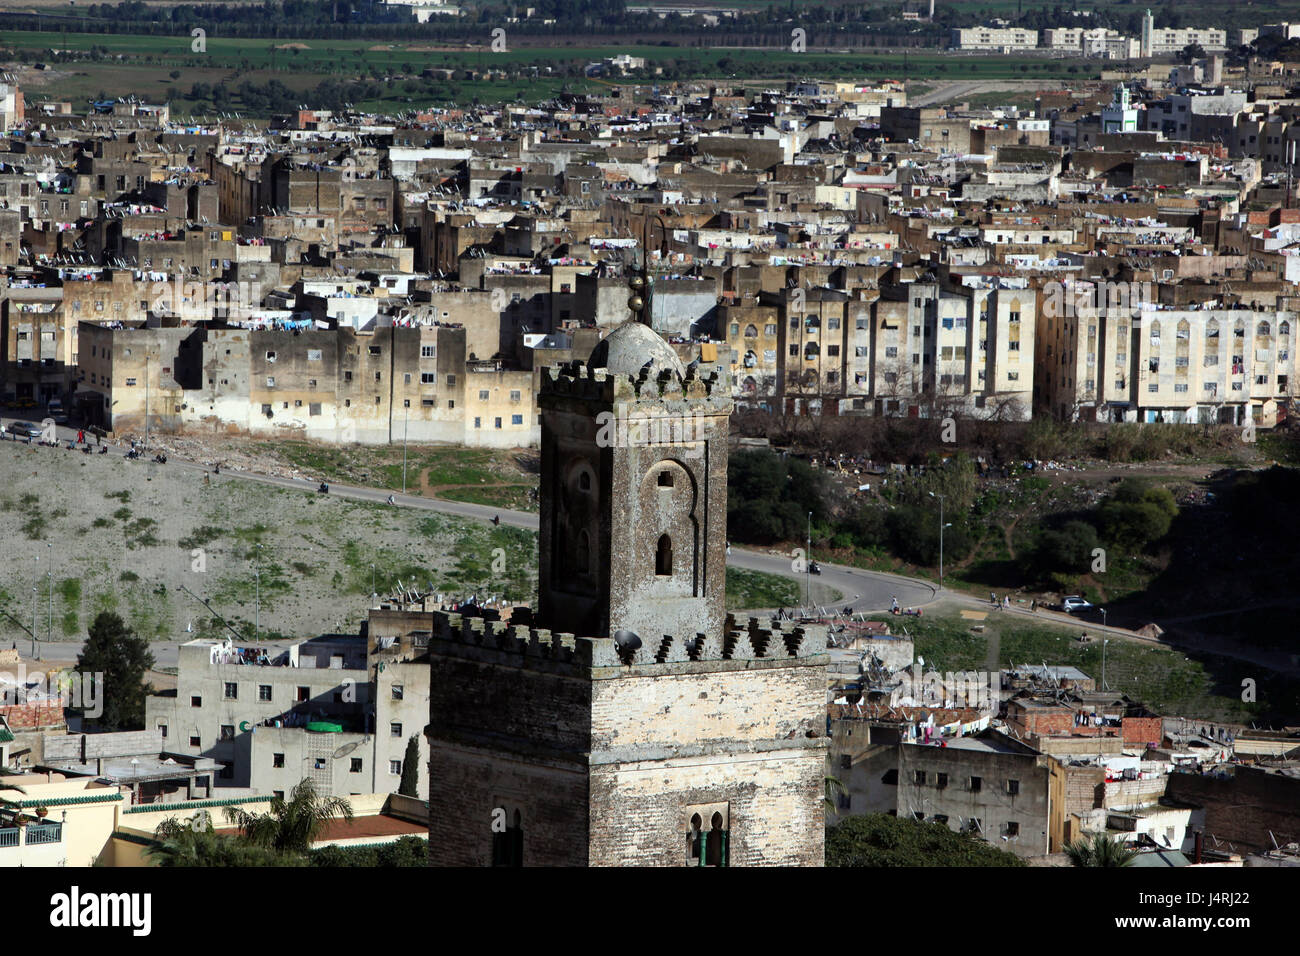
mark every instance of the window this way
{"type": "Point", "coordinates": [1013, 787]}
{"type": "Point", "coordinates": [231, 691]}
{"type": "Point", "coordinates": [196, 701]}
{"type": "Point", "coordinates": [428, 378]}
{"type": "Point", "coordinates": [451, 379]}
{"type": "Point", "coordinates": [711, 847]}
{"type": "Point", "coordinates": [395, 729]}
{"type": "Point", "coordinates": [496, 422]}
{"type": "Point", "coordinates": [318, 763]}
{"type": "Point", "coordinates": [302, 694]}
{"type": "Point", "coordinates": [277, 760]}
{"type": "Point", "coordinates": [975, 784]}
{"type": "Point", "coordinates": [426, 351]}
{"type": "Point", "coordinates": [263, 691]}
{"type": "Point", "coordinates": [270, 381]}
{"type": "Point", "coordinates": [227, 731]}
{"type": "Point", "coordinates": [919, 777]}
{"type": "Point", "coordinates": [483, 394]}
{"type": "Point", "coordinates": [1013, 828]}
{"type": "Point", "coordinates": [941, 781]}
{"type": "Point", "coordinates": [398, 690]}
{"type": "Point", "coordinates": [516, 419]}
{"type": "Point", "coordinates": [194, 742]}
{"type": "Point", "coordinates": [665, 479]}
{"type": "Point", "coordinates": [395, 767]}
{"type": "Point", "coordinates": [373, 349]}
{"type": "Point", "coordinates": [664, 557]}
{"type": "Point", "coordinates": [478, 422]}
{"type": "Point", "coordinates": [355, 766]}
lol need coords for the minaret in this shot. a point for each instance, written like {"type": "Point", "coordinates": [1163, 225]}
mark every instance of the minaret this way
{"type": "Point", "coordinates": [633, 493]}
{"type": "Point", "coordinates": [1148, 34]}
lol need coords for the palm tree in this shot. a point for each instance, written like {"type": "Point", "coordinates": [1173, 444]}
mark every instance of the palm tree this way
{"type": "Point", "coordinates": [10, 786]}
{"type": "Point", "coordinates": [1101, 850]}
{"type": "Point", "coordinates": [833, 786]}
{"type": "Point", "coordinates": [292, 824]}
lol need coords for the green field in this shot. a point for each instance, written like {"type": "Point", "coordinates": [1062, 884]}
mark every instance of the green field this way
{"type": "Point", "coordinates": [117, 65]}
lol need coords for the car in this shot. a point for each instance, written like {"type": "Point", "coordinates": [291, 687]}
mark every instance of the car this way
{"type": "Point", "coordinates": [1075, 603]}
{"type": "Point", "coordinates": [25, 430]}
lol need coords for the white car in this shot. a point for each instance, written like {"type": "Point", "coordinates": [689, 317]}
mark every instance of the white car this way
{"type": "Point", "coordinates": [1075, 603]}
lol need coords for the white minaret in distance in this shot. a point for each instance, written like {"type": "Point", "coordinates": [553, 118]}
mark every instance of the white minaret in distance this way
{"type": "Point", "coordinates": [931, 10]}
{"type": "Point", "coordinates": [1148, 31]}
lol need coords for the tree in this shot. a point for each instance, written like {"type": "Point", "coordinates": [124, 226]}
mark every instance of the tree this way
{"type": "Point", "coordinates": [1191, 53]}
{"type": "Point", "coordinates": [116, 659]}
{"type": "Point", "coordinates": [1136, 514]}
{"type": "Point", "coordinates": [410, 785]}
{"type": "Point", "coordinates": [181, 843]}
{"type": "Point", "coordinates": [291, 824]}
{"type": "Point", "coordinates": [877, 839]}
{"type": "Point", "coordinates": [1069, 549]}
{"type": "Point", "coordinates": [1101, 850]}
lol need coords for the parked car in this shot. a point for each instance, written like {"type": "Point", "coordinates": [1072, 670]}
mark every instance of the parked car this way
{"type": "Point", "coordinates": [1075, 603]}
{"type": "Point", "coordinates": [24, 430]}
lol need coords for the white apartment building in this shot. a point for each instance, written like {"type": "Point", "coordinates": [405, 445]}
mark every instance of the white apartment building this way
{"type": "Point", "coordinates": [996, 39]}
{"type": "Point", "coordinates": [1136, 363]}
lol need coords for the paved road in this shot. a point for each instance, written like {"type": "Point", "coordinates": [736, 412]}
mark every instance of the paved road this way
{"type": "Point", "coordinates": [859, 590]}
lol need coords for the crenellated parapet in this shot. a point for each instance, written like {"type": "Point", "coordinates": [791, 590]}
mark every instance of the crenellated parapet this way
{"type": "Point", "coordinates": [743, 640]}
{"type": "Point", "coordinates": [708, 390]}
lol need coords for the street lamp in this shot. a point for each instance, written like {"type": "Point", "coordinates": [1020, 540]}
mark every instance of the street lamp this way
{"type": "Point", "coordinates": [1103, 616]}
{"type": "Point", "coordinates": [941, 527]}
{"type": "Point", "coordinates": [807, 564]}
{"type": "Point", "coordinates": [257, 590]}
{"type": "Point", "coordinates": [406, 427]}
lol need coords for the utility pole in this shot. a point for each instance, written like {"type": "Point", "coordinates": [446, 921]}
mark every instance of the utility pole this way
{"type": "Point", "coordinates": [146, 400]}
{"type": "Point", "coordinates": [1104, 642]}
{"type": "Point", "coordinates": [941, 527]}
{"type": "Point", "coordinates": [406, 427]}
{"type": "Point", "coordinates": [49, 624]}
{"type": "Point", "coordinates": [257, 591]}
{"type": "Point", "coordinates": [807, 563]}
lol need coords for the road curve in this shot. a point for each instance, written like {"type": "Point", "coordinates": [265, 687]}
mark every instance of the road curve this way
{"type": "Point", "coordinates": [859, 590]}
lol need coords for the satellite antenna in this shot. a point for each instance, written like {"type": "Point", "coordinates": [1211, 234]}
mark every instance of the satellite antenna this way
{"type": "Point", "coordinates": [346, 749]}
{"type": "Point", "coordinates": [627, 643]}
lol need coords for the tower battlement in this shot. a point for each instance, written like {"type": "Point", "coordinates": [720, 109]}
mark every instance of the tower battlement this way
{"type": "Point", "coordinates": [577, 380]}
{"type": "Point", "coordinates": [748, 639]}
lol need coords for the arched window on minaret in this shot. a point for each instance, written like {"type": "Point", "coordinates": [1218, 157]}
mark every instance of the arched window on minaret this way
{"type": "Point", "coordinates": [664, 557]}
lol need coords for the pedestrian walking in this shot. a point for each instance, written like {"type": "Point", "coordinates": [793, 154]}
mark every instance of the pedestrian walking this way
{"type": "Point", "coordinates": [81, 437]}
{"type": "Point", "coordinates": [1006, 602]}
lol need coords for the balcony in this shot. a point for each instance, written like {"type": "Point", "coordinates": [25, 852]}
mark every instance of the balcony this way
{"type": "Point", "coordinates": [36, 833]}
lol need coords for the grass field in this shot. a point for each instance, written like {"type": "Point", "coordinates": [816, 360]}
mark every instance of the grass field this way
{"type": "Point", "coordinates": [116, 65]}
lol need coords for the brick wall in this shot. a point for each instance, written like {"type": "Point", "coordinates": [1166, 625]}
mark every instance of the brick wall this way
{"type": "Point", "coordinates": [1142, 730]}
{"type": "Point", "coordinates": [1243, 809]}
{"type": "Point", "coordinates": [1084, 788]}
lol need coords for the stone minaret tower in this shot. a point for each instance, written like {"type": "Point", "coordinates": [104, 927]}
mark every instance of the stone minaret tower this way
{"type": "Point", "coordinates": [633, 493]}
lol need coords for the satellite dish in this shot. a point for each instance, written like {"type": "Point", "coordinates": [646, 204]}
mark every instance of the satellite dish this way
{"type": "Point", "coordinates": [346, 749]}
{"type": "Point", "coordinates": [627, 643]}
{"type": "Point", "coordinates": [921, 661]}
